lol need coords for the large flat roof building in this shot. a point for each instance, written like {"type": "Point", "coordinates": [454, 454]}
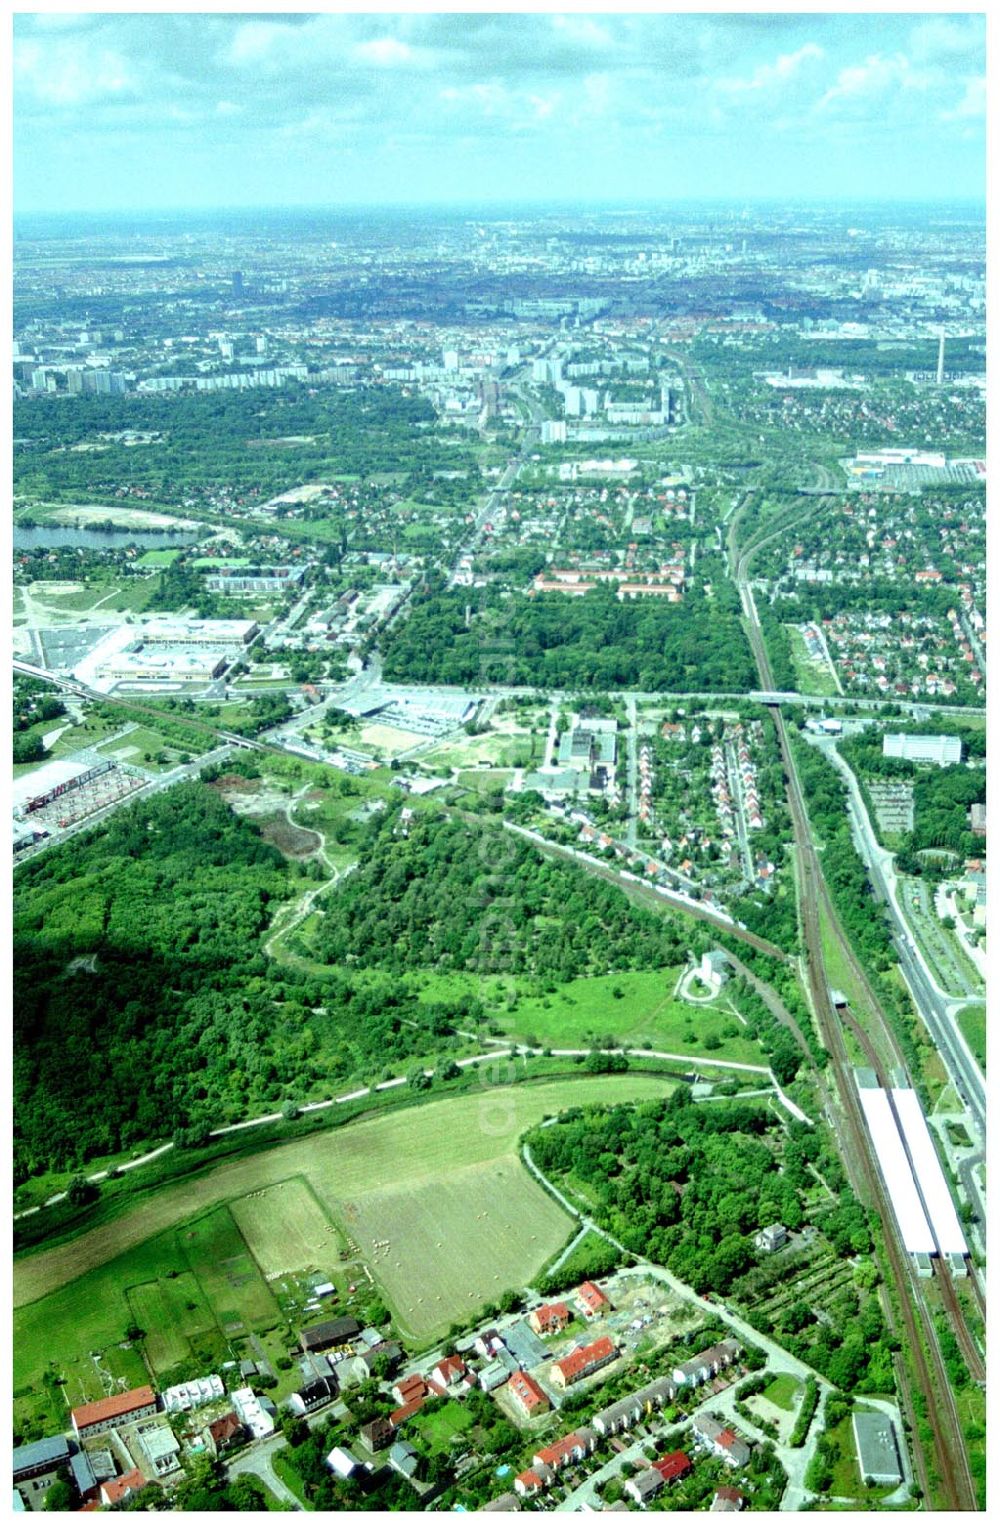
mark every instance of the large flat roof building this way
{"type": "Point", "coordinates": [877, 1448]}
{"type": "Point", "coordinates": [933, 1185]}
{"type": "Point", "coordinates": [35, 1459]}
{"type": "Point", "coordinates": [943, 750]}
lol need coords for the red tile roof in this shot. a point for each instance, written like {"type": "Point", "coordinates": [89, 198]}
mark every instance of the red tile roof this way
{"type": "Point", "coordinates": [582, 1359]}
{"type": "Point", "coordinates": [592, 1296]}
{"type": "Point", "coordinates": [406, 1411]}
{"type": "Point", "coordinates": [114, 1491]}
{"type": "Point", "coordinates": [112, 1406]}
{"type": "Point", "coordinates": [563, 1449]}
{"type": "Point", "coordinates": [556, 1314]}
{"type": "Point", "coordinates": [226, 1427]}
{"type": "Point", "coordinates": [527, 1391]}
{"type": "Point", "coordinates": [672, 1466]}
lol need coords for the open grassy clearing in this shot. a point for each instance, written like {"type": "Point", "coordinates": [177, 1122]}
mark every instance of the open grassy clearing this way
{"type": "Point", "coordinates": [226, 1272]}
{"type": "Point", "coordinates": [814, 677]}
{"type": "Point", "coordinates": [91, 1313]}
{"type": "Point", "coordinates": [190, 1290]}
{"type": "Point", "coordinates": [285, 1228]}
{"type": "Point", "coordinates": [384, 739]}
{"type": "Point", "coordinates": [492, 780]}
{"type": "Point", "coordinates": [784, 1392]}
{"type": "Point", "coordinates": [972, 1023]}
{"type": "Point", "coordinates": [439, 1424]}
{"type": "Point", "coordinates": [409, 1146]}
{"type": "Point", "coordinates": [158, 558]}
{"type": "Point", "coordinates": [516, 748]}
{"type": "Point", "coordinates": [588, 1010]}
{"type": "Point", "coordinates": [441, 1248]}
{"type": "Point", "coordinates": [142, 742]}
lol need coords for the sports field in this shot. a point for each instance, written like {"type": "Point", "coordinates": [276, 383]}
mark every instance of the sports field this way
{"type": "Point", "coordinates": [417, 1146]}
{"type": "Point", "coordinates": [286, 1229]}
{"type": "Point", "coordinates": [442, 1248]}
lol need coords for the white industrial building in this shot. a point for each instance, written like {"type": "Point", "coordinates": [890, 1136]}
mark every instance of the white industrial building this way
{"type": "Point", "coordinates": [912, 1174]}
{"type": "Point", "coordinates": [945, 750]}
{"type": "Point", "coordinates": [215, 632]}
{"type": "Point", "coordinates": [43, 779]}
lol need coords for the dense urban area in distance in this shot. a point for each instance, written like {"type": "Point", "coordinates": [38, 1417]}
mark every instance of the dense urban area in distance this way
{"type": "Point", "coordinates": [499, 854]}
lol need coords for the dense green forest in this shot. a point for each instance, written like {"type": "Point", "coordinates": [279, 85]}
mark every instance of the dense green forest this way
{"type": "Point", "coordinates": [581, 642]}
{"type": "Point", "coordinates": [144, 1004]}
{"type": "Point", "coordinates": [684, 1184]}
{"type": "Point", "coordinates": [454, 896]}
{"type": "Point", "coordinates": [225, 440]}
{"type": "Point", "coordinates": [687, 1185]}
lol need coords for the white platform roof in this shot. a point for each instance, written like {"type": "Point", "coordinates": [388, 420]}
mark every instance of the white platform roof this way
{"type": "Point", "coordinates": [897, 1175]}
{"type": "Point", "coordinates": [930, 1175]}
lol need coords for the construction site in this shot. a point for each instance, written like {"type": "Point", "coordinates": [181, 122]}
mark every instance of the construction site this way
{"type": "Point", "coordinates": [65, 793]}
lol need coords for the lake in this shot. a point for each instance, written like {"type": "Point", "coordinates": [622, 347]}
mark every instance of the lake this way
{"type": "Point", "coordinates": [58, 538]}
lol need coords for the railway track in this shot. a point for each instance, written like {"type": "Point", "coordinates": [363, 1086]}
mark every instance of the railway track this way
{"type": "Point", "coordinates": [949, 1451]}
{"type": "Point", "coordinates": [644, 893]}
{"type": "Point", "coordinates": [951, 1459]}
{"type": "Point", "coordinates": [971, 1352]}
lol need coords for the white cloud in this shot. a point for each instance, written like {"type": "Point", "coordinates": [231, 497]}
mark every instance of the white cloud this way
{"type": "Point", "coordinates": [972, 103]}
{"type": "Point", "coordinates": [70, 73]}
{"type": "Point", "coordinates": [768, 77]}
{"type": "Point", "coordinates": [581, 30]}
{"type": "Point", "coordinates": [877, 76]}
{"type": "Point", "coordinates": [384, 51]}
{"type": "Point", "coordinates": [947, 36]}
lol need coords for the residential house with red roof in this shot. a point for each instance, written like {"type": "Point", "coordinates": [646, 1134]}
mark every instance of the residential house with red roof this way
{"type": "Point", "coordinates": [526, 1394]}
{"type": "Point", "coordinates": [583, 1362]}
{"type": "Point", "coordinates": [551, 1318]}
{"type": "Point", "coordinates": [124, 1486]}
{"type": "Point", "coordinates": [593, 1301]}
{"type": "Point", "coordinates": [113, 1411]}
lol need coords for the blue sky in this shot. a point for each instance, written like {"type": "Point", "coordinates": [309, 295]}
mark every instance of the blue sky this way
{"type": "Point", "coordinates": [135, 112]}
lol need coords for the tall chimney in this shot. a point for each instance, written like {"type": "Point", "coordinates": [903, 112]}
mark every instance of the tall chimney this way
{"type": "Point", "coordinates": [940, 369]}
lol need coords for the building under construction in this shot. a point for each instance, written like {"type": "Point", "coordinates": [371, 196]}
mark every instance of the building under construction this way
{"type": "Point", "coordinates": [74, 799]}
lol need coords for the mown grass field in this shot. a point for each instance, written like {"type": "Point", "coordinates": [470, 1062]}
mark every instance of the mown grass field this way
{"type": "Point", "coordinates": [441, 1423]}
{"type": "Point", "coordinates": [440, 1249]}
{"type": "Point", "coordinates": [71, 1298]}
{"type": "Point", "coordinates": [286, 1229]}
{"type": "Point", "coordinates": [170, 1313]}
{"type": "Point", "coordinates": [783, 1391]}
